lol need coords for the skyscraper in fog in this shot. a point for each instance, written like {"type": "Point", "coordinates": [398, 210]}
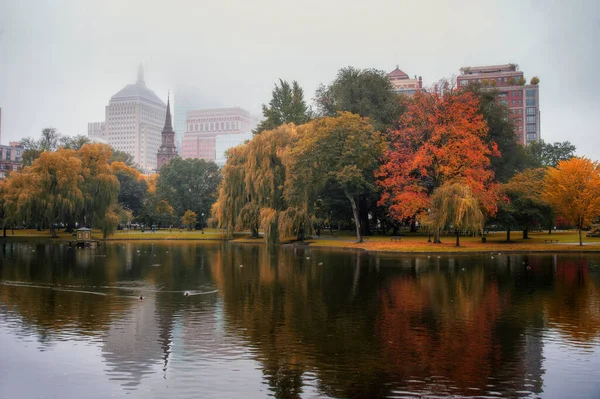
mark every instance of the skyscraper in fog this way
{"type": "Point", "coordinates": [135, 117]}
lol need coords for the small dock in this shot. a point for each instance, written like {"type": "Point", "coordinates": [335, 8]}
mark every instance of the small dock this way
{"type": "Point", "coordinates": [84, 239]}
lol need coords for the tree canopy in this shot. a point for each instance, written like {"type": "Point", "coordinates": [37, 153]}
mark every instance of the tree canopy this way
{"type": "Point", "coordinates": [572, 188]}
{"type": "Point", "coordinates": [287, 105]}
{"type": "Point", "coordinates": [440, 139]}
{"type": "Point", "coordinates": [542, 154]}
{"type": "Point", "coordinates": [342, 150]}
{"type": "Point", "coordinates": [365, 92]}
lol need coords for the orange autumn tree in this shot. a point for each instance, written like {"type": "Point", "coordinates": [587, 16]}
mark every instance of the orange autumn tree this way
{"type": "Point", "coordinates": [438, 140]}
{"type": "Point", "coordinates": [573, 190]}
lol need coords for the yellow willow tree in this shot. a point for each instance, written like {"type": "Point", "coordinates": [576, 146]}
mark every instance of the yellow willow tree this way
{"type": "Point", "coordinates": [454, 205]}
{"type": "Point", "coordinates": [341, 151]}
{"type": "Point", "coordinates": [46, 192]}
{"type": "Point", "coordinates": [100, 187]}
{"type": "Point", "coordinates": [573, 190]}
{"type": "Point", "coordinates": [251, 192]}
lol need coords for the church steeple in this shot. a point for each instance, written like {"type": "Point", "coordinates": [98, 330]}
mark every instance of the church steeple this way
{"type": "Point", "coordinates": [167, 150]}
{"type": "Point", "coordinates": [168, 124]}
{"type": "Point", "coordinates": [140, 77]}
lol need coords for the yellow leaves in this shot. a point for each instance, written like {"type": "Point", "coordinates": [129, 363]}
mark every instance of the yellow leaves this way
{"type": "Point", "coordinates": [573, 190]}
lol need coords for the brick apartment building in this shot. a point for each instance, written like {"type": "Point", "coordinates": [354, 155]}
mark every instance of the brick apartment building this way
{"type": "Point", "coordinates": [522, 99]}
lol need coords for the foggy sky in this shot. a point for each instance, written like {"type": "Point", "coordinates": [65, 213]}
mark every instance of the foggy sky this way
{"type": "Point", "coordinates": [62, 60]}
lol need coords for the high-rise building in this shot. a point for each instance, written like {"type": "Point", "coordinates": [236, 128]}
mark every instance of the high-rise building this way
{"type": "Point", "coordinates": [224, 142]}
{"type": "Point", "coordinates": [522, 100]}
{"type": "Point", "coordinates": [403, 84]}
{"type": "Point", "coordinates": [10, 158]}
{"type": "Point", "coordinates": [167, 151]}
{"type": "Point", "coordinates": [134, 120]}
{"type": "Point", "coordinates": [204, 126]}
{"type": "Point", "coordinates": [97, 130]}
{"type": "Point", "coordinates": [0, 125]}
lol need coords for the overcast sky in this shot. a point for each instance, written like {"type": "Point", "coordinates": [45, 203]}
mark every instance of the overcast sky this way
{"type": "Point", "coordinates": [62, 60]}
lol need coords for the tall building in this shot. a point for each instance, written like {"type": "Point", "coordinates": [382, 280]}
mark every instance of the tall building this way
{"type": "Point", "coordinates": [97, 130]}
{"type": "Point", "coordinates": [10, 158]}
{"type": "Point", "coordinates": [523, 100]}
{"type": "Point", "coordinates": [204, 126]}
{"type": "Point", "coordinates": [403, 84]}
{"type": "Point", "coordinates": [224, 142]}
{"type": "Point", "coordinates": [167, 151]}
{"type": "Point", "coordinates": [0, 125]}
{"type": "Point", "coordinates": [134, 121]}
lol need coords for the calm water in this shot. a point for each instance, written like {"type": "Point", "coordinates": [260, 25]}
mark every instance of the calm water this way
{"type": "Point", "coordinates": [294, 323]}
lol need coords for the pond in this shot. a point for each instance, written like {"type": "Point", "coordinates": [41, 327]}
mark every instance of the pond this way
{"type": "Point", "coordinates": [221, 320]}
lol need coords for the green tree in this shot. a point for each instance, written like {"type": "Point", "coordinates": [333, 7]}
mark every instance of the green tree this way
{"type": "Point", "coordinates": [75, 142]}
{"type": "Point", "coordinates": [365, 92]}
{"type": "Point", "coordinates": [344, 151]}
{"type": "Point", "coordinates": [287, 105]}
{"type": "Point", "coordinates": [189, 219]}
{"type": "Point", "coordinates": [454, 205]}
{"type": "Point", "coordinates": [524, 205]}
{"type": "Point", "coordinates": [33, 148]}
{"type": "Point", "coordinates": [189, 184]}
{"type": "Point", "coordinates": [121, 156]}
{"type": "Point", "coordinates": [542, 154]}
{"type": "Point", "coordinates": [132, 192]}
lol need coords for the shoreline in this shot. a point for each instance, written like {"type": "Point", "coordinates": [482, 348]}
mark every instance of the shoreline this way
{"type": "Point", "coordinates": [410, 245]}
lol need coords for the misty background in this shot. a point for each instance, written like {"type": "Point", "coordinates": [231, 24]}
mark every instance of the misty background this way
{"type": "Point", "coordinates": [62, 60]}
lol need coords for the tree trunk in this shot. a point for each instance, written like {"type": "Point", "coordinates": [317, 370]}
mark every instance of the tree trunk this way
{"type": "Point", "coordinates": [4, 231]}
{"type": "Point", "coordinates": [363, 210]}
{"type": "Point", "coordinates": [580, 239]}
{"type": "Point", "coordinates": [526, 233]}
{"type": "Point", "coordinates": [356, 216]}
{"type": "Point", "coordinates": [413, 224]}
{"type": "Point", "coordinates": [253, 232]}
{"type": "Point", "coordinates": [507, 233]}
{"type": "Point", "coordinates": [436, 237]}
{"type": "Point", "coordinates": [457, 238]}
{"type": "Point", "coordinates": [53, 231]}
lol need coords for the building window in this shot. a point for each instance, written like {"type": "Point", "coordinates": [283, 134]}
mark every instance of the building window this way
{"type": "Point", "coordinates": [531, 129]}
{"type": "Point", "coordinates": [531, 119]}
{"type": "Point", "coordinates": [505, 102]}
{"type": "Point", "coordinates": [520, 111]}
{"type": "Point", "coordinates": [530, 102]}
{"type": "Point", "coordinates": [464, 82]}
{"type": "Point", "coordinates": [520, 102]}
{"type": "Point", "coordinates": [513, 102]}
{"type": "Point", "coordinates": [531, 111]}
{"type": "Point", "coordinates": [499, 79]}
{"type": "Point", "coordinates": [505, 79]}
{"type": "Point", "coordinates": [503, 94]}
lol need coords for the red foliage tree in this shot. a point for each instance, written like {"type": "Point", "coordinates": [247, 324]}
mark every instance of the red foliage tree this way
{"type": "Point", "coordinates": [439, 139]}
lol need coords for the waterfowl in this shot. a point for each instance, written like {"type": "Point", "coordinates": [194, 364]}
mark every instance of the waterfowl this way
{"type": "Point", "coordinates": [187, 293]}
{"type": "Point", "coordinates": [141, 297]}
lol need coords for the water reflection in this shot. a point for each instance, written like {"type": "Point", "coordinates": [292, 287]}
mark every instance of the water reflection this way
{"type": "Point", "coordinates": [297, 322]}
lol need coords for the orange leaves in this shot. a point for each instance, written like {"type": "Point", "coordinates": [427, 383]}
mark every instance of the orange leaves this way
{"type": "Point", "coordinates": [440, 139]}
{"type": "Point", "coordinates": [573, 190]}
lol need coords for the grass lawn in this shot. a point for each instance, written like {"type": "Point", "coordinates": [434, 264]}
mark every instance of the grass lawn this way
{"type": "Point", "coordinates": [567, 240]}
{"type": "Point", "coordinates": [496, 242]}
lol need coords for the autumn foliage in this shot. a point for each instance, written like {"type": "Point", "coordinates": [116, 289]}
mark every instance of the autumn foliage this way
{"type": "Point", "coordinates": [573, 190]}
{"type": "Point", "coordinates": [439, 139]}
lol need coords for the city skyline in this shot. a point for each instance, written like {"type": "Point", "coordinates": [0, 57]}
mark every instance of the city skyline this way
{"type": "Point", "coordinates": [71, 62]}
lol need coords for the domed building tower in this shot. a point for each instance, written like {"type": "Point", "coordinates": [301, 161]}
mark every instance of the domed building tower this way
{"type": "Point", "coordinates": [167, 150]}
{"type": "Point", "coordinates": [134, 119]}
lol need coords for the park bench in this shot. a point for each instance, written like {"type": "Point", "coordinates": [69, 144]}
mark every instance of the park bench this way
{"type": "Point", "coordinates": [396, 238]}
{"type": "Point", "coordinates": [550, 241]}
